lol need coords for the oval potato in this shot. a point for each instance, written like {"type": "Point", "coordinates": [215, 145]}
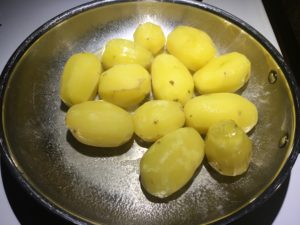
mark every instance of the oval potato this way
{"type": "Point", "coordinates": [156, 118]}
{"type": "Point", "coordinates": [193, 47]}
{"type": "Point", "coordinates": [150, 36]}
{"type": "Point", "coordinates": [203, 111]}
{"type": "Point", "coordinates": [171, 162]}
{"type": "Point", "coordinates": [80, 78]}
{"type": "Point", "coordinates": [125, 85]}
{"type": "Point", "coordinates": [171, 80]}
{"type": "Point", "coordinates": [226, 73]}
{"type": "Point", "coordinates": [121, 51]}
{"type": "Point", "coordinates": [227, 148]}
{"type": "Point", "coordinates": [100, 124]}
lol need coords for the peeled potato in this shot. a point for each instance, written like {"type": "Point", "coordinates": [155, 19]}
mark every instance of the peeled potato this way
{"type": "Point", "coordinates": [125, 85]}
{"type": "Point", "coordinates": [226, 73]}
{"type": "Point", "coordinates": [121, 51]}
{"type": "Point", "coordinates": [171, 162]}
{"type": "Point", "coordinates": [171, 80]}
{"type": "Point", "coordinates": [100, 124]}
{"type": "Point", "coordinates": [203, 111]}
{"type": "Point", "coordinates": [156, 118]}
{"type": "Point", "coordinates": [193, 47]}
{"type": "Point", "coordinates": [227, 148]}
{"type": "Point", "coordinates": [150, 36]}
{"type": "Point", "coordinates": [80, 78]}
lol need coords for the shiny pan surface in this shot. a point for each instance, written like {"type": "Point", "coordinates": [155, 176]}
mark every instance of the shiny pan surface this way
{"type": "Point", "coordinates": [89, 185]}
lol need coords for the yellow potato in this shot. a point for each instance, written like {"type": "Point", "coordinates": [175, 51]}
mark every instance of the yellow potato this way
{"type": "Point", "coordinates": [100, 124]}
{"type": "Point", "coordinates": [171, 162]}
{"type": "Point", "coordinates": [226, 73]}
{"type": "Point", "coordinates": [125, 85]}
{"type": "Point", "coordinates": [121, 51]}
{"type": "Point", "coordinates": [156, 118]}
{"type": "Point", "coordinates": [227, 148]}
{"type": "Point", "coordinates": [203, 111]}
{"type": "Point", "coordinates": [171, 80]}
{"type": "Point", "coordinates": [80, 78]}
{"type": "Point", "coordinates": [150, 36]}
{"type": "Point", "coordinates": [193, 47]}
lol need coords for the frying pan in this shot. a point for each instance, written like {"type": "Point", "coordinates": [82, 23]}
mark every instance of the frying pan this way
{"type": "Point", "coordinates": [88, 185]}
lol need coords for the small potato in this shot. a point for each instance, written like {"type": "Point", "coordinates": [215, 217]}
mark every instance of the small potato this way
{"type": "Point", "coordinates": [99, 123]}
{"type": "Point", "coordinates": [121, 51]}
{"type": "Point", "coordinates": [156, 118]}
{"type": "Point", "coordinates": [80, 78]}
{"type": "Point", "coordinates": [226, 73]}
{"type": "Point", "coordinates": [125, 85]}
{"type": "Point", "coordinates": [193, 47]}
{"type": "Point", "coordinates": [171, 80]}
{"type": "Point", "coordinates": [227, 148]}
{"type": "Point", "coordinates": [150, 36]}
{"type": "Point", "coordinates": [203, 111]}
{"type": "Point", "coordinates": [171, 162]}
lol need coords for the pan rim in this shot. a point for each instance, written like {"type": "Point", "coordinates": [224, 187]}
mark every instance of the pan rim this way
{"type": "Point", "coordinates": [30, 40]}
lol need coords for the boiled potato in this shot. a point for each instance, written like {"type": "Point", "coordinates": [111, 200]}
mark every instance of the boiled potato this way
{"type": "Point", "coordinates": [171, 162]}
{"type": "Point", "coordinates": [156, 118]}
{"type": "Point", "coordinates": [193, 47]}
{"type": "Point", "coordinates": [99, 123]}
{"type": "Point", "coordinates": [125, 85]}
{"type": "Point", "coordinates": [150, 36]}
{"type": "Point", "coordinates": [203, 111]}
{"type": "Point", "coordinates": [171, 80]}
{"type": "Point", "coordinates": [226, 73]}
{"type": "Point", "coordinates": [80, 78]}
{"type": "Point", "coordinates": [121, 51]}
{"type": "Point", "coordinates": [227, 148]}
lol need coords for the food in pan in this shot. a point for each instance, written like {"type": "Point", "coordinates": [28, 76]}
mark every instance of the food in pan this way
{"type": "Point", "coordinates": [193, 47]}
{"type": "Point", "coordinates": [171, 162]}
{"type": "Point", "coordinates": [80, 78]}
{"type": "Point", "coordinates": [205, 110]}
{"type": "Point", "coordinates": [150, 36]}
{"type": "Point", "coordinates": [228, 149]}
{"type": "Point", "coordinates": [121, 51]}
{"type": "Point", "coordinates": [156, 118]}
{"type": "Point", "coordinates": [99, 123]}
{"type": "Point", "coordinates": [125, 85]}
{"type": "Point", "coordinates": [154, 98]}
{"type": "Point", "coordinates": [226, 73]}
{"type": "Point", "coordinates": [171, 80]}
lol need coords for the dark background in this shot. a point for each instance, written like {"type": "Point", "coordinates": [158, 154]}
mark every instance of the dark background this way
{"type": "Point", "coordinates": [284, 16]}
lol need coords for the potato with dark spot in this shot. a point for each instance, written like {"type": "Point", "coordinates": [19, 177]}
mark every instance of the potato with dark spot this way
{"type": "Point", "coordinates": [203, 111]}
{"type": "Point", "coordinates": [171, 80]}
{"type": "Point", "coordinates": [156, 118]}
{"type": "Point", "coordinates": [226, 73]}
{"type": "Point", "coordinates": [171, 162]}
{"type": "Point", "coordinates": [150, 36]}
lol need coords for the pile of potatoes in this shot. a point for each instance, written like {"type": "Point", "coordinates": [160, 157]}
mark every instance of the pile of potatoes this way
{"type": "Point", "coordinates": [172, 92]}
